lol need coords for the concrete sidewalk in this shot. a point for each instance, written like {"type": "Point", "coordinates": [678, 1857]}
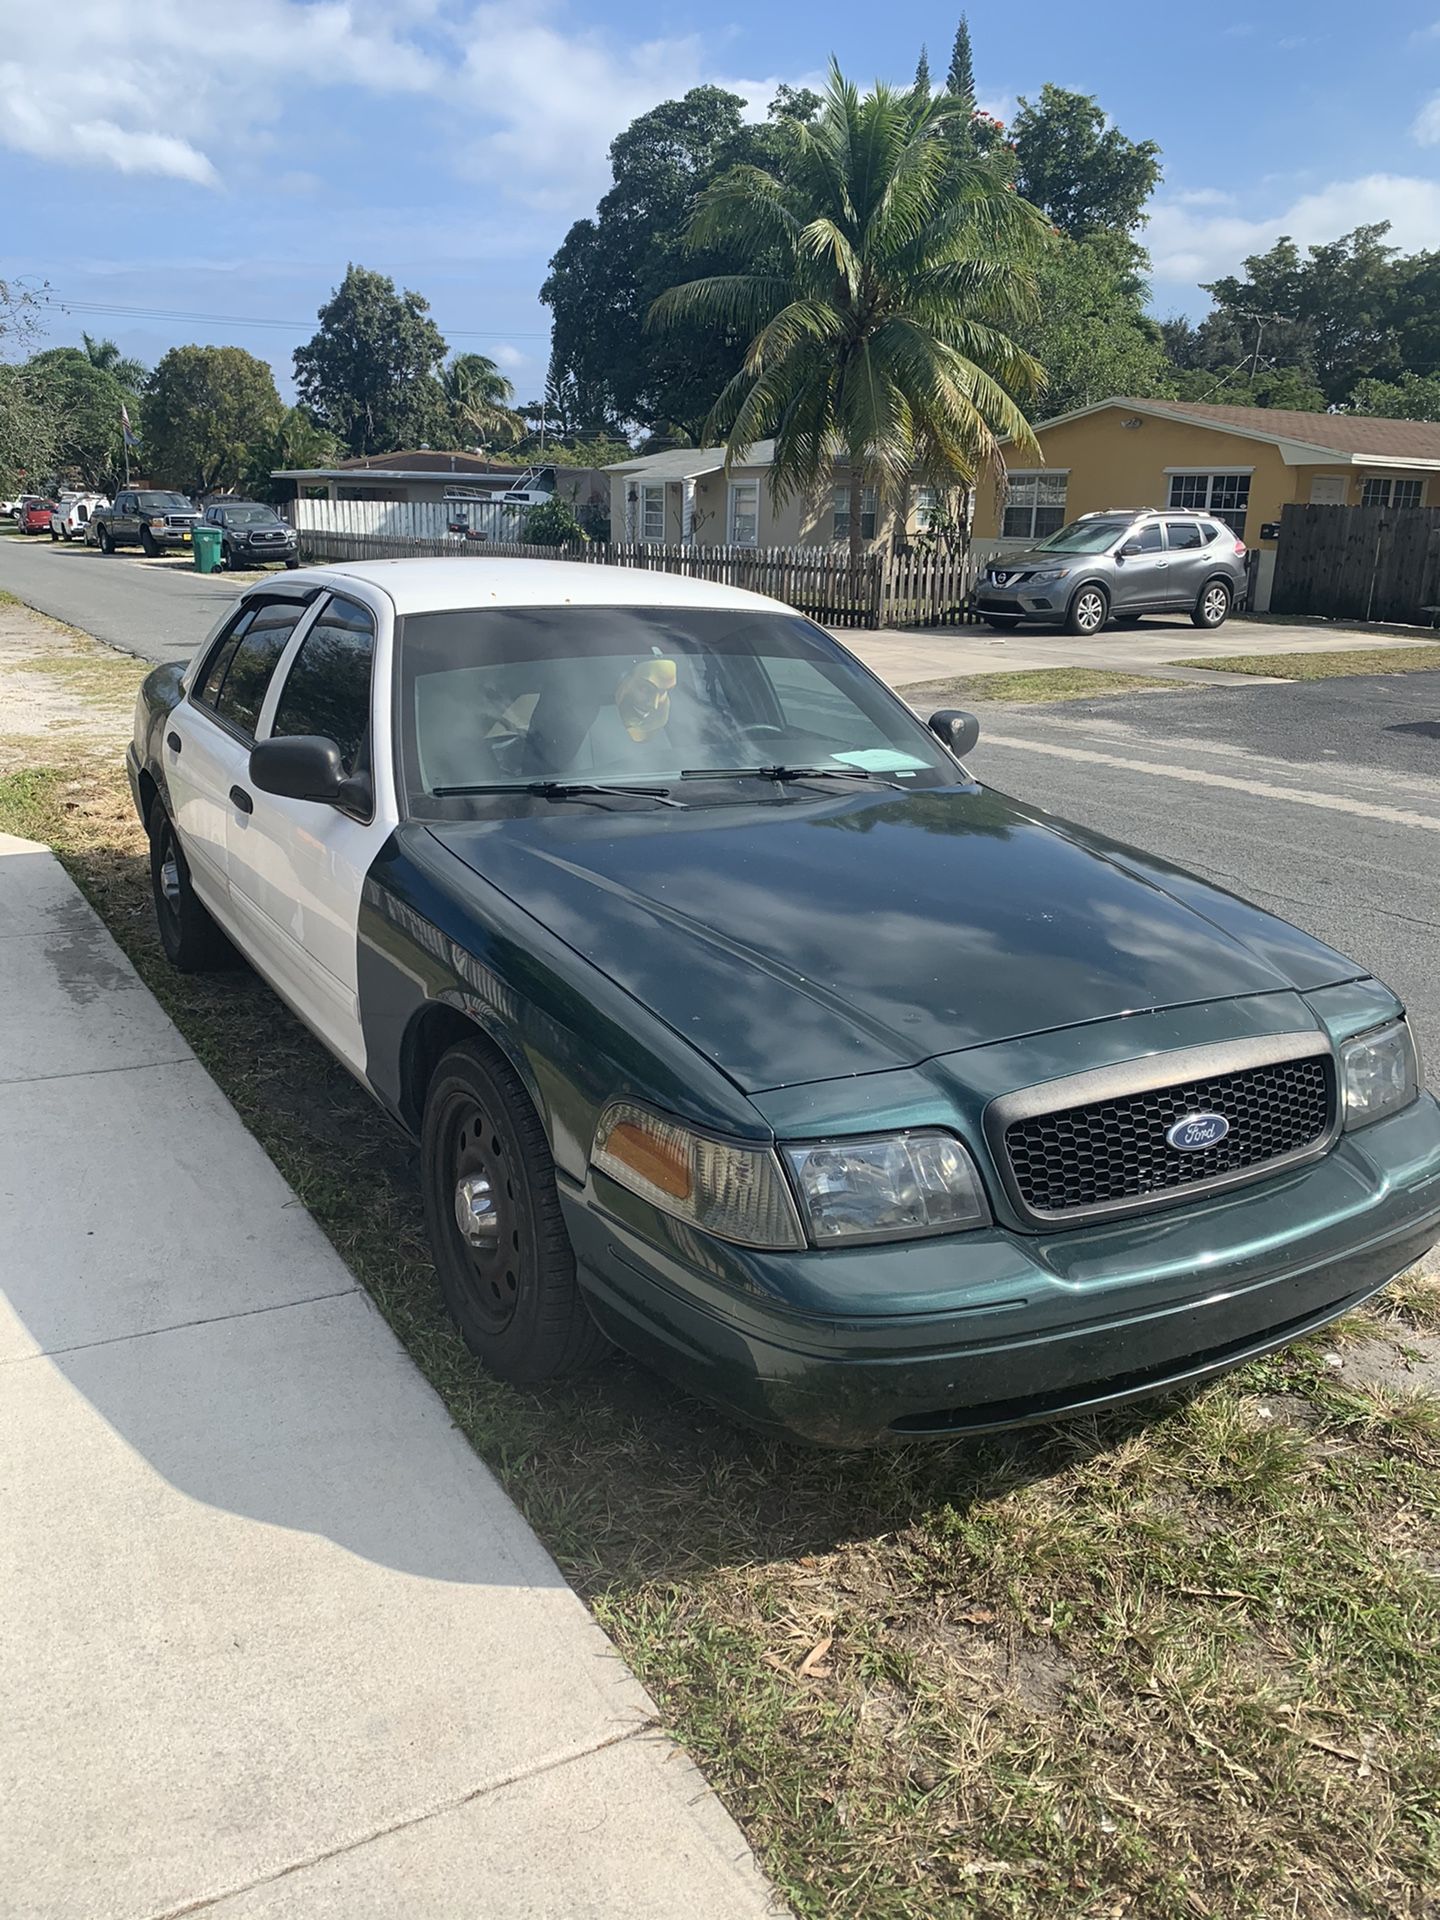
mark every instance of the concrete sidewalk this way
{"type": "Point", "coordinates": [272, 1640]}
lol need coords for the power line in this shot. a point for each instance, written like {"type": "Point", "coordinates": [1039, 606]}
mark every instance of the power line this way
{"type": "Point", "coordinates": [96, 309]}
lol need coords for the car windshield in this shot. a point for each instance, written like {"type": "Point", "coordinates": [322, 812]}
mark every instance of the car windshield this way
{"type": "Point", "coordinates": [250, 516]}
{"type": "Point", "coordinates": [1084, 536]}
{"type": "Point", "coordinates": [506, 698]}
{"type": "Point", "coordinates": [164, 503]}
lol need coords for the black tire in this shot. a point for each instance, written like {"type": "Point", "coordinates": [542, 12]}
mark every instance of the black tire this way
{"type": "Point", "coordinates": [292, 562]}
{"type": "Point", "coordinates": [1001, 622]}
{"type": "Point", "coordinates": [1088, 611]}
{"type": "Point", "coordinates": [192, 941]}
{"type": "Point", "coordinates": [105, 540]}
{"type": "Point", "coordinates": [228, 560]}
{"type": "Point", "coordinates": [512, 1290]}
{"type": "Point", "coordinates": [1212, 609]}
{"type": "Point", "coordinates": [148, 544]}
{"type": "Point", "coordinates": [54, 537]}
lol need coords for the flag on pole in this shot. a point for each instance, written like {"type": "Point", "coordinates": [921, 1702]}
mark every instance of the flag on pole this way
{"type": "Point", "coordinates": [131, 438]}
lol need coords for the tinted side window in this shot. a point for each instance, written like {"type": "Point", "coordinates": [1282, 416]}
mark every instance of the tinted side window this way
{"type": "Point", "coordinates": [327, 690]}
{"type": "Point", "coordinates": [212, 675]}
{"type": "Point", "coordinates": [1148, 538]}
{"type": "Point", "coordinates": [1183, 533]}
{"type": "Point", "coordinates": [242, 690]}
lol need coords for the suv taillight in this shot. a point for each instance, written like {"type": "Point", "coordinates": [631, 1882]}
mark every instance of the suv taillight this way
{"type": "Point", "coordinates": [1239, 545]}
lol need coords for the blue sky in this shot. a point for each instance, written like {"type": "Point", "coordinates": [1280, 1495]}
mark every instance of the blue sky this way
{"type": "Point", "coordinates": [231, 160]}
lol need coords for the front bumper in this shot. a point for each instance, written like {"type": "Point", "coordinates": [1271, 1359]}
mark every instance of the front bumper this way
{"type": "Point", "coordinates": [1034, 1326]}
{"type": "Point", "coordinates": [1022, 603]}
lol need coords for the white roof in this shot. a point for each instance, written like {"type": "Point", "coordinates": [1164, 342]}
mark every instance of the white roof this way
{"type": "Point", "coordinates": [685, 463]}
{"type": "Point", "coordinates": [443, 585]}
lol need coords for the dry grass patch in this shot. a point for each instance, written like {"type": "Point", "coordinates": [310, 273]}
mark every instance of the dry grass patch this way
{"type": "Point", "coordinates": [1177, 1661]}
{"type": "Point", "coordinates": [1326, 666]}
{"type": "Point", "coordinates": [1042, 685]}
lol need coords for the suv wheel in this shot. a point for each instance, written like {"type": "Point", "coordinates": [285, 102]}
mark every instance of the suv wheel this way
{"type": "Point", "coordinates": [1088, 611]}
{"type": "Point", "coordinates": [1212, 609]}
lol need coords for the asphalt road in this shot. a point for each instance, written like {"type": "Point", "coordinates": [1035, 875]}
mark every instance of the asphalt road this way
{"type": "Point", "coordinates": [156, 609]}
{"type": "Point", "coordinates": [1319, 800]}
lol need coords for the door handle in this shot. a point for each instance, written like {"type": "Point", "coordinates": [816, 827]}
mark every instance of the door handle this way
{"type": "Point", "coordinates": [242, 799]}
{"type": "Point", "coordinates": [172, 740]}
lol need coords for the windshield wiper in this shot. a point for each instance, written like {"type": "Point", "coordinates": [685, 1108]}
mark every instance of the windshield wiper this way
{"type": "Point", "coordinates": [561, 790]}
{"type": "Point", "coordinates": [781, 774]}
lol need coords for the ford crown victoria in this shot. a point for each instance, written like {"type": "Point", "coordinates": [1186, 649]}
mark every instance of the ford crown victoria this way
{"type": "Point", "coordinates": [738, 1024]}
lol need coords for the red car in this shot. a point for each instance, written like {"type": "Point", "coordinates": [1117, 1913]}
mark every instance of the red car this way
{"type": "Point", "coordinates": [33, 514]}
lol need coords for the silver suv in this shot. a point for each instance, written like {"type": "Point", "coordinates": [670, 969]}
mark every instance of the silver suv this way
{"type": "Point", "coordinates": [1118, 564]}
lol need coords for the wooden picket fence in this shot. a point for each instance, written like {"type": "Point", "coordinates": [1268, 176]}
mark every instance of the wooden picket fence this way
{"type": "Point", "coordinates": [884, 590]}
{"type": "Point", "coordinates": [1358, 563]}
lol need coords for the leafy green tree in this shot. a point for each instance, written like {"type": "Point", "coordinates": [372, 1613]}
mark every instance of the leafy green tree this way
{"type": "Point", "coordinates": [371, 373]}
{"type": "Point", "coordinates": [479, 397]}
{"type": "Point", "coordinates": [922, 73]}
{"type": "Point", "coordinates": [795, 103]}
{"type": "Point", "coordinates": [84, 401]}
{"type": "Point", "coordinates": [553, 525]}
{"type": "Point", "coordinates": [294, 442]}
{"type": "Point", "coordinates": [205, 409]}
{"type": "Point", "coordinates": [1081, 170]}
{"type": "Point", "coordinates": [28, 424]}
{"type": "Point", "coordinates": [885, 330]}
{"type": "Point", "coordinates": [1414, 396]}
{"type": "Point", "coordinates": [104, 354]}
{"type": "Point", "coordinates": [960, 80]}
{"type": "Point", "coordinates": [1091, 332]}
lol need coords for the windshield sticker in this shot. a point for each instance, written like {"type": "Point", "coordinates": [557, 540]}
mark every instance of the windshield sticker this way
{"type": "Point", "coordinates": [880, 760]}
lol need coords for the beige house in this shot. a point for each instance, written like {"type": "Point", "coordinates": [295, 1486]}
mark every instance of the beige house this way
{"type": "Point", "coordinates": [685, 497]}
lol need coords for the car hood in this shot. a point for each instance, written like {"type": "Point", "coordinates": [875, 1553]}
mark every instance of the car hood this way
{"type": "Point", "coordinates": [808, 939]}
{"type": "Point", "coordinates": [1026, 562]}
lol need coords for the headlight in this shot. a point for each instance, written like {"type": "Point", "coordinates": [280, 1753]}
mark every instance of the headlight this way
{"type": "Point", "coordinates": [735, 1192]}
{"type": "Point", "coordinates": [896, 1186]}
{"type": "Point", "coordinates": [1050, 573]}
{"type": "Point", "coordinates": [158, 520]}
{"type": "Point", "coordinates": [1379, 1073]}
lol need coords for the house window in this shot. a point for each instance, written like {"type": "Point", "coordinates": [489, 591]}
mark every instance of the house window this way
{"type": "Point", "coordinates": [1392, 493]}
{"type": "Point", "coordinates": [1034, 505]}
{"type": "Point", "coordinates": [744, 513]}
{"type": "Point", "coordinates": [842, 513]}
{"type": "Point", "coordinates": [652, 514]}
{"type": "Point", "coordinates": [1226, 495]}
{"type": "Point", "coordinates": [925, 504]}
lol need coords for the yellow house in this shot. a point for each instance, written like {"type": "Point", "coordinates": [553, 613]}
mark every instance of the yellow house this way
{"type": "Point", "coordinates": [1241, 464]}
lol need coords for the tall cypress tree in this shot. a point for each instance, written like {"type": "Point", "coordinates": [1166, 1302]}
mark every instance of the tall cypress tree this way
{"type": "Point", "coordinates": [922, 73]}
{"type": "Point", "coordinates": [961, 78]}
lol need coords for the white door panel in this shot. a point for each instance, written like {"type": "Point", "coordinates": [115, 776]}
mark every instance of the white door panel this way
{"type": "Point", "coordinates": [199, 775]}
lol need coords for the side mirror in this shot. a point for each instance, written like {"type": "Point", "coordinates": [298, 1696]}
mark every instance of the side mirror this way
{"type": "Point", "coordinates": [300, 766]}
{"type": "Point", "coordinates": [1130, 549]}
{"type": "Point", "coordinates": [956, 730]}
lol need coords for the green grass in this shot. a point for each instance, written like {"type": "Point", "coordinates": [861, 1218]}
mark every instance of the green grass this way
{"type": "Point", "coordinates": [1174, 1662]}
{"type": "Point", "coordinates": [1327, 666]}
{"type": "Point", "coordinates": [1042, 684]}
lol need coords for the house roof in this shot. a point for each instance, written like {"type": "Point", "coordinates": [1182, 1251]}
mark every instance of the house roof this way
{"type": "Point", "coordinates": [426, 460]}
{"type": "Point", "coordinates": [1343, 439]}
{"type": "Point", "coordinates": [688, 463]}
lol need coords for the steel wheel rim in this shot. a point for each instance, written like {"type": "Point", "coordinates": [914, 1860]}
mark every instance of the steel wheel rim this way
{"type": "Point", "coordinates": [1216, 601]}
{"type": "Point", "coordinates": [481, 1183]}
{"type": "Point", "coordinates": [1089, 611]}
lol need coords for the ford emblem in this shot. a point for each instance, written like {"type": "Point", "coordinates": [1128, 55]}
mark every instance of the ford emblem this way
{"type": "Point", "coordinates": [1197, 1130]}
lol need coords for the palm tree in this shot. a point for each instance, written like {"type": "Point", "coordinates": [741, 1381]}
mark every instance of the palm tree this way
{"type": "Point", "coordinates": [891, 269]}
{"type": "Point", "coordinates": [479, 397]}
{"type": "Point", "coordinates": [104, 354]}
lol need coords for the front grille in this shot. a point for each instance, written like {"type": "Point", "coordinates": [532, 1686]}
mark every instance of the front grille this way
{"type": "Point", "coordinates": [1115, 1150]}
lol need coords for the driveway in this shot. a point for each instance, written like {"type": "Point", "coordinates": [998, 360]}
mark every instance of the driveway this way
{"type": "Point", "coordinates": [1319, 800]}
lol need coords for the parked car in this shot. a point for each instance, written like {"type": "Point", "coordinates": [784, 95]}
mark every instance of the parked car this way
{"type": "Point", "coordinates": [71, 517]}
{"type": "Point", "coordinates": [252, 535]}
{"type": "Point", "coordinates": [146, 517]}
{"type": "Point", "coordinates": [1118, 564]}
{"type": "Point", "coordinates": [33, 514]}
{"type": "Point", "coordinates": [738, 1023]}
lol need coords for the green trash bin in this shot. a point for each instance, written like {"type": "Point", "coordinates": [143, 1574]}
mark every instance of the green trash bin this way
{"type": "Point", "coordinates": [207, 543]}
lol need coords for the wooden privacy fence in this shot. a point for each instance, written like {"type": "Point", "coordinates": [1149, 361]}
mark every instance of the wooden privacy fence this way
{"type": "Point", "coordinates": [883, 590]}
{"type": "Point", "coordinates": [1358, 563]}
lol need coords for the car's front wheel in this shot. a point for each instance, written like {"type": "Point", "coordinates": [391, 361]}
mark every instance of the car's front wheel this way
{"type": "Point", "coordinates": [1212, 609]}
{"type": "Point", "coordinates": [192, 941]}
{"type": "Point", "coordinates": [496, 1232]}
{"type": "Point", "coordinates": [149, 544]}
{"type": "Point", "coordinates": [1088, 611]}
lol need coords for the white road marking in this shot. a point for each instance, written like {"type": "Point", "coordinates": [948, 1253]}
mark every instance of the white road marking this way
{"type": "Point", "coordinates": [1196, 777]}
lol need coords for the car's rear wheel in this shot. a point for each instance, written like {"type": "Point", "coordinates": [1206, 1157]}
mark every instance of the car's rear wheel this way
{"type": "Point", "coordinates": [192, 941]}
{"type": "Point", "coordinates": [1002, 622]}
{"type": "Point", "coordinates": [1212, 609]}
{"type": "Point", "coordinates": [54, 536]}
{"type": "Point", "coordinates": [149, 544]}
{"type": "Point", "coordinates": [1088, 611]}
{"type": "Point", "coordinates": [504, 1260]}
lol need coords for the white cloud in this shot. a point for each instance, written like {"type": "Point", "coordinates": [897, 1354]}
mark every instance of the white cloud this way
{"type": "Point", "coordinates": [1202, 197]}
{"type": "Point", "coordinates": [508, 357]}
{"type": "Point", "coordinates": [1426, 126]}
{"type": "Point", "coordinates": [1188, 245]}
